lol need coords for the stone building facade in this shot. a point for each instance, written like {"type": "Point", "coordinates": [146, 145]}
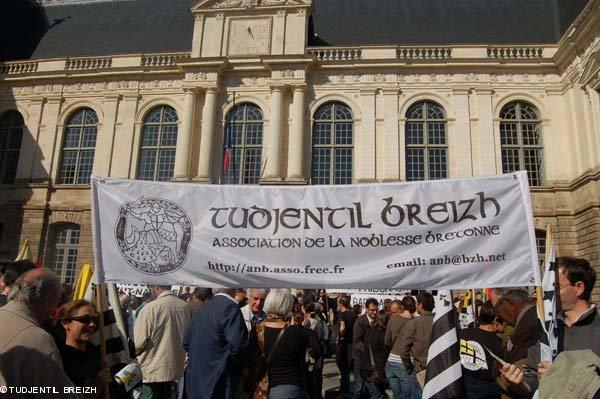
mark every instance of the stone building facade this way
{"type": "Point", "coordinates": [300, 109]}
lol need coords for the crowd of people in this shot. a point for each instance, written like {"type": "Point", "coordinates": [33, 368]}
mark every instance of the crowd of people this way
{"type": "Point", "coordinates": [259, 343]}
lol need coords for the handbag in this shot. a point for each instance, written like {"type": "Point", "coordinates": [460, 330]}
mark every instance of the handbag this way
{"type": "Point", "coordinates": [262, 388]}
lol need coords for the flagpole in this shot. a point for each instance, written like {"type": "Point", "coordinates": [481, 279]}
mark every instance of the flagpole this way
{"type": "Point", "coordinates": [231, 121]}
{"type": "Point", "coordinates": [100, 304]}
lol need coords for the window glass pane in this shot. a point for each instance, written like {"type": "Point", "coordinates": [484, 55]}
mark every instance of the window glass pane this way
{"type": "Point", "coordinates": [415, 111]}
{"type": "Point", "coordinates": [434, 111]}
{"type": "Point", "coordinates": [415, 164]}
{"type": "Point", "coordinates": [343, 166]}
{"type": "Point", "coordinates": [69, 166]}
{"type": "Point", "coordinates": [252, 165]}
{"type": "Point", "coordinates": [238, 113]}
{"type": "Point", "coordinates": [89, 137]}
{"type": "Point", "coordinates": [253, 113]}
{"type": "Point", "coordinates": [72, 137]}
{"type": "Point", "coordinates": [153, 116]}
{"type": "Point", "coordinates": [232, 176]}
{"type": "Point", "coordinates": [531, 134]}
{"type": "Point", "coordinates": [322, 133]}
{"type": "Point", "coordinates": [254, 134]}
{"type": "Point", "coordinates": [166, 165]}
{"type": "Point", "coordinates": [169, 115]}
{"type": "Point", "coordinates": [342, 112]}
{"type": "Point", "coordinates": [509, 134]}
{"type": "Point", "coordinates": [533, 165]}
{"type": "Point", "coordinates": [76, 118]}
{"type": "Point", "coordinates": [150, 135]}
{"type": "Point", "coordinates": [321, 166]}
{"type": "Point", "coordinates": [14, 139]}
{"type": "Point", "coordinates": [90, 117]}
{"type": "Point", "coordinates": [527, 111]}
{"type": "Point", "coordinates": [169, 136]}
{"type": "Point", "coordinates": [343, 133]}
{"type": "Point", "coordinates": [324, 112]}
{"type": "Point", "coordinates": [510, 160]}
{"type": "Point", "coordinates": [147, 164]}
{"type": "Point", "coordinates": [64, 251]}
{"type": "Point", "coordinates": [437, 163]}
{"type": "Point", "coordinates": [414, 133]}
{"type": "Point", "coordinates": [437, 133]}
{"type": "Point", "coordinates": [509, 111]}
{"type": "Point", "coordinates": [86, 162]}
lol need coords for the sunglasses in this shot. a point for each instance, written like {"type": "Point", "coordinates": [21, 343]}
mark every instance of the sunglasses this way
{"type": "Point", "coordinates": [85, 319]}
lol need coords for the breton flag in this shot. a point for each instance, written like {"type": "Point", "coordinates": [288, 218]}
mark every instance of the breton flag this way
{"type": "Point", "coordinates": [228, 148]}
{"type": "Point", "coordinates": [443, 378]}
{"type": "Point", "coordinates": [549, 341]}
{"type": "Point", "coordinates": [115, 333]}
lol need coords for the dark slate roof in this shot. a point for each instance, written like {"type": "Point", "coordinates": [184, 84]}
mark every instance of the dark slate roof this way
{"type": "Point", "coordinates": [437, 22]}
{"type": "Point", "coordinates": [28, 30]}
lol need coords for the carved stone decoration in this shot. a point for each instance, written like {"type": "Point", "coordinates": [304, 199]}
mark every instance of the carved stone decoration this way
{"type": "Point", "coordinates": [249, 36]}
{"type": "Point", "coordinates": [256, 3]}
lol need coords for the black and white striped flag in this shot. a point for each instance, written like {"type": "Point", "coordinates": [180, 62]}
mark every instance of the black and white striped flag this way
{"type": "Point", "coordinates": [115, 336]}
{"type": "Point", "coordinates": [549, 341]}
{"type": "Point", "coordinates": [443, 378]}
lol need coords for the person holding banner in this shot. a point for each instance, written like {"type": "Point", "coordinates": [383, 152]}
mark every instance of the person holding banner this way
{"type": "Point", "coordinates": [578, 324]}
{"type": "Point", "coordinates": [80, 358]}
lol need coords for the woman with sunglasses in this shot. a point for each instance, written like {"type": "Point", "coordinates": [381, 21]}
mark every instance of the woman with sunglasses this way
{"type": "Point", "coordinates": [81, 359]}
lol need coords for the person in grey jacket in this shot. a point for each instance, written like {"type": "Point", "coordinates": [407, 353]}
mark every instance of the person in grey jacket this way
{"type": "Point", "coordinates": [578, 324]}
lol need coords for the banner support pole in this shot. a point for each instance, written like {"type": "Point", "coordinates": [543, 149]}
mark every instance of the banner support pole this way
{"type": "Point", "coordinates": [100, 304]}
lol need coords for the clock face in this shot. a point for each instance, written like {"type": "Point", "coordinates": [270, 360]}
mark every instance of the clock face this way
{"type": "Point", "coordinates": [249, 36]}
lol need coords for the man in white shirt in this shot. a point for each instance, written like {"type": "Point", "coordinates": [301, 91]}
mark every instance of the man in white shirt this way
{"type": "Point", "coordinates": [253, 312]}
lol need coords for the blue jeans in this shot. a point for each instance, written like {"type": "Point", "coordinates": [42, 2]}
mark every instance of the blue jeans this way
{"type": "Point", "coordinates": [375, 391]}
{"type": "Point", "coordinates": [359, 383]}
{"type": "Point", "coordinates": [402, 383]}
{"type": "Point", "coordinates": [286, 392]}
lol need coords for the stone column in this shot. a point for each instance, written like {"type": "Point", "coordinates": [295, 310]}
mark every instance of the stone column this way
{"type": "Point", "coordinates": [391, 145]}
{"type": "Point", "coordinates": [366, 147]}
{"type": "Point", "coordinates": [49, 142]}
{"type": "Point", "coordinates": [207, 135]}
{"type": "Point", "coordinates": [296, 144]}
{"type": "Point", "coordinates": [124, 162]}
{"type": "Point", "coordinates": [272, 160]}
{"type": "Point", "coordinates": [484, 154]}
{"type": "Point", "coordinates": [459, 140]}
{"type": "Point", "coordinates": [184, 137]}
{"type": "Point", "coordinates": [105, 140]}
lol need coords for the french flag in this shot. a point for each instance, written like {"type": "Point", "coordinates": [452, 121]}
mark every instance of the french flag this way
{"type": "Point", "coordinates": [228, 149]}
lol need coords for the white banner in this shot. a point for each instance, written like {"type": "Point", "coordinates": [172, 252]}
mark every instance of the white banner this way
{"type": "Point", "coordinates": [452, 234]}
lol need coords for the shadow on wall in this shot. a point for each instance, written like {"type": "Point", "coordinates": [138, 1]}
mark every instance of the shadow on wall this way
{"type": "Point", "coordinates": [22, 211]}
{"type": "Point", "coordinates": [22, 25]}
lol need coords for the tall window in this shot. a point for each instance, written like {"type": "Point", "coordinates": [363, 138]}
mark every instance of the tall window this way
{"type": "Point", "coordinates": [521, 140]}
{"type": "Point", "coordinates": [157, 148]}
{"type": "Point", "coordinates": [426, 142]}
{"type": "Point", "coordinates": [78, 147]}
{"type": "Point", "coordinates": [332, 144]}
{"type": "Point", "coordinates": [64, 248]}
{"type": "Point", "coordinates": [11, 134]}
{"type": "Point", "coordinates": [244, 137]}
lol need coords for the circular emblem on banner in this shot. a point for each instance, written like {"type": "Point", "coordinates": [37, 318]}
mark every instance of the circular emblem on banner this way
{"type": "Point", "coordinates": [153, 235]}
{"type": "Point", "coordinates": [472, 355]}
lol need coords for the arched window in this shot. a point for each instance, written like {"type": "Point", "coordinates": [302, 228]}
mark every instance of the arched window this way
{"type": "Point", "coordinates": [243, 145]}
{"type": "Point", "coordinates": [79, 143]}
{"type": "Point", "coordinates": [332, 144]}
{"type": "Point", "coordinates": [64, 247]}
{"type": "Point", "coordinates": [157, 145]}
{"type": "Point", "coordinates": [426, 142]}
{"type": "Point", "coordinates": [11, 134]}
{"type": "Point", "coordinates": [521, 140]}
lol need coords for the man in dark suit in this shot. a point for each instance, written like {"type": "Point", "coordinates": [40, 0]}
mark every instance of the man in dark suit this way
{"type": "Point", "coordinates": [518, 311]}
{"type": "Point", "coordinates": [358, 343]}
{"type": "Point", "coordinates": [214, 342]}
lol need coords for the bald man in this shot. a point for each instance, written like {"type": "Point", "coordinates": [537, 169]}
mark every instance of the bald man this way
{"type": "Point", "coordinates": [28, 355]}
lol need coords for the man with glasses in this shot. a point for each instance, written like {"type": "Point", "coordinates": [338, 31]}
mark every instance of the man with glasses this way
{"type": "Point", "coordinates": [578, 323]}
{"type": "Point", "coordinates": [253, 312]}
{"type": "Point", "coordinates": [358, 343]}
